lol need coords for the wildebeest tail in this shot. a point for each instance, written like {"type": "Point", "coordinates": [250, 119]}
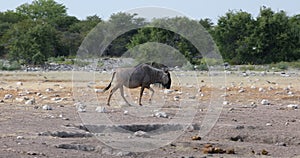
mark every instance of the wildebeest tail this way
{"type": "Point", "coordinates": [106, 88]}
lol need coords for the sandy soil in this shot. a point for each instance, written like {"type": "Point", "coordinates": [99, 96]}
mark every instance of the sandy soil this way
{"type": "Point", "coordinates": [245, 126]}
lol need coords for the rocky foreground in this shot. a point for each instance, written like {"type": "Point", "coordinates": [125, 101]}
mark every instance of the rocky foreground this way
{"type": "Point", "coordinates": [259, 118]}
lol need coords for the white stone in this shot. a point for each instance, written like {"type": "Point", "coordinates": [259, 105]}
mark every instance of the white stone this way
{"type": "Point", "coordinates": [19, 83]}
{"type": "Point", "coordinates": [168, 91]}
{"type": "Point", "coordinates": [225, 102]}
{"type": "Point", "coordinates": [20, 137]}
{"type": "Point", "coordinates": [47, 107]}
{"type": "Point", "coordinates": [30, 101]}
{"type": "Point", "coordinates": [98, 90]}
{"type": "Point", "coordinates": [80, 107]}
{"type": "Point", "coordinates": [161, 114]}
{"type": "Point", "coordinates": [19, 99]}
{"type": "Point", "coordinates": [293, 106]}
{"type": "Point", "coordinates": [269, 124]}
{"type": "Point", "coordinates": [8, 96]}
{"type": "Point", "coordinates": [49, 90]}
{"type": "Point", "coordinates": [261, 90]}
{"type": "Point", "coordinates": [101, 109]}
{"type": "Point", "coordinates": [176, 98]}
{"type": "Point", "coordinates": [141, 134]}
{"type": "Point", "coordinates": [265, 102]}
{"type": "Point", "coordinates": [125, 112]}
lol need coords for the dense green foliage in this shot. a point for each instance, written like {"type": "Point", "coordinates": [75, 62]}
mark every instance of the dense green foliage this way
{"type": "Point", "coordinates": [42, 30]}
{"type": "Point", "coordinates": [269, 38]}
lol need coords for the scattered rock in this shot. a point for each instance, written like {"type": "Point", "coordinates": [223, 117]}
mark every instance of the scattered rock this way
{"type": "Point", "coordinates": [213, 150]}
{"type": "Point", "coordinates": [196, 138]}
{"type": "Point", "coordinates": [261, 90]}
{"type": "Point", "coordinates": [141, 134]}
{"type": "Point", "coordinates": [240, 127]}
{"type": "Point", "coordinates": [49, 90]}
{"type": "Point", "coordinates": [176, 98]}
{"type": "Point", "coordinates": [292, 106]}
{"type": "Point", "coordinates": [125, 112]}
{"type": "Point", "coordinates": [280, 144]}
{"type": "Point", "coordinates": [268, 124]}
{"type": "Point", "coordinates": [8, 96]}
{"type": "Point", "coordinates": [98, 90]}
{"type": "Point", "coordinates": [30, 101]}
{"type": "Point", "coordinates": [237, 138]}
{"type": "Point", "coordinates": [80, 107]}
{"type": "Point", "coordinates": [230, 151]}
{"type": "Point", "coordinates": [76, 147]}
{"type": "Point", "coordinates": [20, 137]}
{"type": "Point", "coordinates": [168, 91]}
{"type": "Point", "coordinates": [101, 109]}
{"type": "Point", "coordinates": [47, 107]}
{"type": "Point", "coordinates": [161, 114]}
{"type": "Point", "coordinates": [265, 102]}
{"type": "Point", "coordinates": [241, 90]}
{"type": "Point", "coordinates": [66, 134]}
{"type": "Point", "coordinates": [19, 83]}
{"type": "Point", "coordinates": [264, 152]}
{"type": "Point", "coordinates": [225, 102]}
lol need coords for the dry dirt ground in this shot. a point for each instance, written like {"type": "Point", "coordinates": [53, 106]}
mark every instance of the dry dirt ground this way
{"type": "Point", "coordinates": [245, 127]}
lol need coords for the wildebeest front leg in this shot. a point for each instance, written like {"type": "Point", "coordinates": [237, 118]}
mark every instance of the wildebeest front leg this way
{"type": "Point", "coordinates": [151, 89]}
{"type": "Point", "coordinates": [141, 94]}
{"type": "Point", "coordinates": [122, 94]}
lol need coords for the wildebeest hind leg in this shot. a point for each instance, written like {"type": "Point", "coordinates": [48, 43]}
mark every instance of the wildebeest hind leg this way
{"type": "Point", "coordinates": [122, 94]}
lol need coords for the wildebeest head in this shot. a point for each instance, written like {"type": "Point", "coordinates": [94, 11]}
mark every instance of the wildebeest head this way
{"type": "Point", "coordinates": [167, 80]}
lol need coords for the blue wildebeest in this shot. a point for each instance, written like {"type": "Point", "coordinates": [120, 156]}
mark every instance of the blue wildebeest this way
{"type": "Point", "coordinates": [142, 75]}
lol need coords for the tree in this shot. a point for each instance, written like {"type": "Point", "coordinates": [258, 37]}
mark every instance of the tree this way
{"type": "Point", "coordinates": [230, 34]}
{"type": "Point", "coordinates": [29, 39]}
{"type": "Point", "coordinates": [42, 9]}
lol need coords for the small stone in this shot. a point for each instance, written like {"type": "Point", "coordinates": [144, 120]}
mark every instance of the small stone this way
{"type": "Point", "coordinates": [280, 144]}
{"type": "Point", "coordinates": [141, 134]}
{"type": "Point", "coordinates": [8, 96]}
{"type": "Point", "coordinates": [49, 90]}
{"type": "Point", "coordinates": [225, 102]}
{"type": "Point", "coordinates": [265, 102]}
{"type": "Point", "coordinates": [196, 138]}
{"type": "Point", "coordinates": [292, 106]}
{"type": "Point", "coordinates": [56, 99]}
{"type": "Point", "coordinates": [168, 91]}
{"type": "Point", "coordinates": [19, 99]}
{"type": "Point", "coordinates": [47, 107]}
{"type": "Point", "coordinates": [230, 151]}
{"type": "Point", "coordinates": [176, 98]}
{"type": "Point", "coordinates": [125, 112]}
{"type": "Point", "coordinates": [161, 114]}
{"type": "Point", "coordinates": [261, 90]}
{"type": "Point", "coordinates": [20, 137]}
{"type": "Point", "coordinates": [80, 107]}
{"type": "Point", "coordinates": [286, 123]}
{"type": "Point", "coordinates": [19, 83]}
{"type": "Point", "coordinates": [241, 90]}
{"type": "Point", "coordinates": [101, 109]}
{"type": "Point", "coordinates": [240, 127]}
{"type": "Point", "coordinates": [264, 152]}
{"type": "Point", "coordinates": [98, 90]}
{"type": "Point", "coordinates": [268, 124]}
{"type": "Point", "coordinates": [30, 102]}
